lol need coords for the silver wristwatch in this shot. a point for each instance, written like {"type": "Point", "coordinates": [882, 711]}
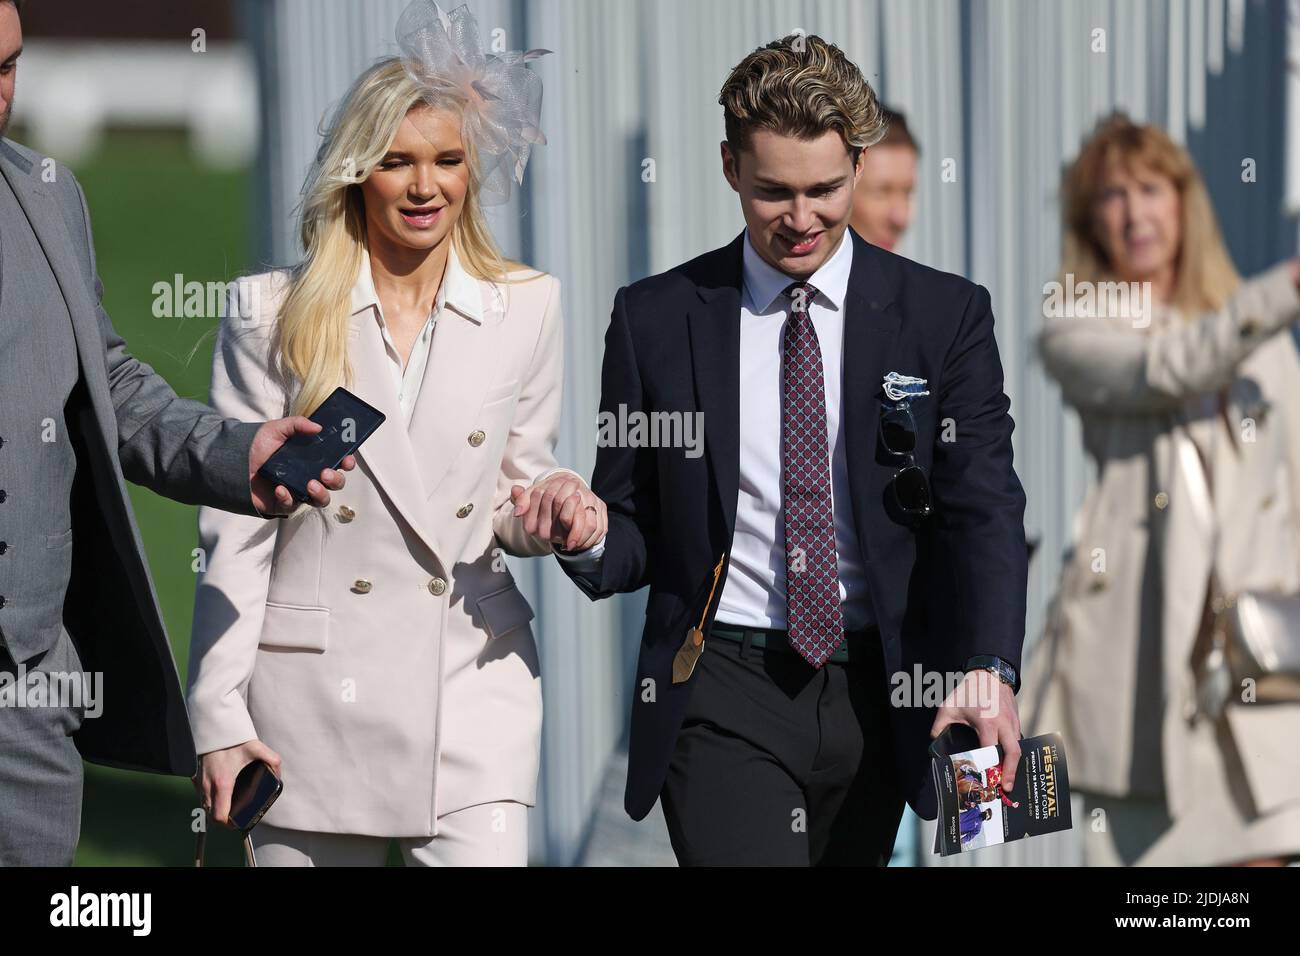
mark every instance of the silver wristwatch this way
{"type": "Point", "coordinates": [1004, 671]}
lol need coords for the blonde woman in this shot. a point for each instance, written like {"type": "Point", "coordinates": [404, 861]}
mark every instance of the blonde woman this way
{"type": "Point", "coordinates": [379, 655]}
{"type": "Point", "coordinates": [1192, 414]}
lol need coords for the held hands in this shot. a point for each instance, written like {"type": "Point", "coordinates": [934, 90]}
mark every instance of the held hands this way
{"type": "Point", "coordinates": [218, 770]}
{"type": "Point", "coordinates": [561, 509]}
{"type": "Point", "coordinates": [272, 499]}
{"type": "Point", "coordinates": [984, 702]}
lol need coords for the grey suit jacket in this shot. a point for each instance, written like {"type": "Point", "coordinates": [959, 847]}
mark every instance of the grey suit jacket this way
{"type": "Point", "coordinates": [126, 423]}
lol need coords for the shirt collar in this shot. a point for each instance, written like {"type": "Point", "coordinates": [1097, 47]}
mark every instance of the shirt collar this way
{"type": "Point", "coordinates": [763, 282]}
{"type": "Point", "coordinates": [459, 289]}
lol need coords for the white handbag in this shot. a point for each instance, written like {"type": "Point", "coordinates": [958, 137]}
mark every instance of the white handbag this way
{"type": "Point", "coordinates": [1256, 634]}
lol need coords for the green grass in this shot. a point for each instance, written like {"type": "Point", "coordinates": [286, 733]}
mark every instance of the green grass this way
{"type": "Point", "coordinates": [156, 212]}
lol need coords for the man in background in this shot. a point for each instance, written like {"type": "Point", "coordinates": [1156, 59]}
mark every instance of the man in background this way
{"type": "Point", "coordinates": [882, 200]}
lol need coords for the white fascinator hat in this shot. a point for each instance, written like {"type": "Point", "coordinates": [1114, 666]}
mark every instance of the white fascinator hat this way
{"type": "Point", "coordinates": [502, 98]}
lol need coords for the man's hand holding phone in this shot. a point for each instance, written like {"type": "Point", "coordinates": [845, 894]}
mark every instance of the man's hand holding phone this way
{"type": "Point", "coordinates": [300, 459]}
{"type": "Point", "coordinates": [273, 499]}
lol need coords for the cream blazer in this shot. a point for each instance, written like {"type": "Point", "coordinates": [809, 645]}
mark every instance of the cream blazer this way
{"type": "Point", "coordinates": [1115, 670]}
{"type": "Point", "coordinates": [380, 646]}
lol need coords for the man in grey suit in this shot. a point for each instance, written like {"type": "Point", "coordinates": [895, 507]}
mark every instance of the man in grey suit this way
{"type": "Point", "coordinates": [78, 415]}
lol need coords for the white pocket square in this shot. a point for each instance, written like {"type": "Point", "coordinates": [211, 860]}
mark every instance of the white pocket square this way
{"type": "Point", "coordinates": [899, 386]}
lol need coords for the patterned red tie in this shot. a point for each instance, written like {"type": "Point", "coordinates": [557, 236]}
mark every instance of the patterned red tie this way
{"type": "Point", "coordinates": [813, 615]}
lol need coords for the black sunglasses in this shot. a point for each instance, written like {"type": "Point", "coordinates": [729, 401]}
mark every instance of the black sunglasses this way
{"type": "Point", "coordinates": [911, 487]}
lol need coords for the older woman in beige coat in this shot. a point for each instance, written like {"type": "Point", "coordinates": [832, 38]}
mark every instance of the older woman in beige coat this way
{"type": "Point", "coordinates": [1191, 410]}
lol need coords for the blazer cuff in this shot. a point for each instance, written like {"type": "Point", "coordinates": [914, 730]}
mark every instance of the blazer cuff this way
{"type": "Point", "coordinates": [588, 560]}
{"type": "Point", "coordinates": [555, 471]}
{"type": "Point", "coordinates": [229, 727]}
{"type": "Point", "coordinates": [236, 487]}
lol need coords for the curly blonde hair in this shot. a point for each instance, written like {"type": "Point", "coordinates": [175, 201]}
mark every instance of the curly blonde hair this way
{"type": "Point", "coordinates": [801, 86]}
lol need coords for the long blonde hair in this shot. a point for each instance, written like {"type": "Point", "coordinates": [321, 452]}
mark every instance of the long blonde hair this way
{"type": "Point", "coordinates": [312, 330]}
{"type": "Point", "coordinates": [1206, 276]}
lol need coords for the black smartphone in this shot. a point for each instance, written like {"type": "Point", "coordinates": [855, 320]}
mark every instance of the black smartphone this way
{"type": "Point", "coordinates": [346, 421]}
{"type": "Point", "coordinates": [256, 788]}
{"type": "Point", "coordinates": [955, 739]}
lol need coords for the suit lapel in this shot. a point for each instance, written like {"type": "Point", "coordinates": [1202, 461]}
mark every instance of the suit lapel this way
{"type": "Point", "coordinates": [52, 234]}
{"type": "Point", "coordinates": [409, 463]}
{"type": "Point", "coordinates": [714, 329]}
{"type": "Point", "coordinates": [871, 323]}
{"type": "Point", "coordinates": [455, 383]}
{"type": "Point", "coordinates": [387, 454]}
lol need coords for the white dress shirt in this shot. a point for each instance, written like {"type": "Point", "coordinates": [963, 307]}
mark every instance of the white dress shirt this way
{"type": "Point", "coordinates": [458, 290]}
{"type": "Point", "coordinates": [755, 592]}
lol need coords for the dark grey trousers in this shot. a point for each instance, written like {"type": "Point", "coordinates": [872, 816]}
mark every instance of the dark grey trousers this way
{"type": "Point", "coordinates": [40, 769]}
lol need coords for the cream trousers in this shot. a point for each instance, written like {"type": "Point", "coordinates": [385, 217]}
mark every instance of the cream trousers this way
{"type": "Point", "coordinates": [489, 834]}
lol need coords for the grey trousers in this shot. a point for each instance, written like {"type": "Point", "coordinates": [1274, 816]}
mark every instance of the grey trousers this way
{"type": "Point", "coordinates": [40, 767]}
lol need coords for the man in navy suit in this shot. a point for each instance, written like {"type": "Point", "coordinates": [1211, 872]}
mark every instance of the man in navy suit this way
{"type": "Point", "coordinates": [839, 539]}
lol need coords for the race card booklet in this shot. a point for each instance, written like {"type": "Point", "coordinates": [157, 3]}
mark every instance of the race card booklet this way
{"type": "Point", "coordinates": [975, 811]}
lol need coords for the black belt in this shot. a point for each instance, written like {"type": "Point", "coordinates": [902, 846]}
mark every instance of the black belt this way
{"type": "Point", "coordinates": [779, 639]}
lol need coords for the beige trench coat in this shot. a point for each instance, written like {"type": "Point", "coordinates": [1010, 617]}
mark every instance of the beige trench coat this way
{"type": "Point", "coordinates": [380, 646]}
{"type": "Point", "coordinates": [1115, 671]}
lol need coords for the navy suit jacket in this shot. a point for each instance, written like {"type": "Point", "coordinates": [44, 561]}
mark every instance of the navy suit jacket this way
{"type": "Point", "coordinates": [943, 588]}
